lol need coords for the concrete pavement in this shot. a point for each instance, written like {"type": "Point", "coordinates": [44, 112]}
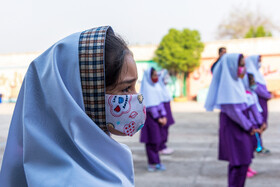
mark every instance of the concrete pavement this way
{"type": "Point", "coordinates": [194, 139]}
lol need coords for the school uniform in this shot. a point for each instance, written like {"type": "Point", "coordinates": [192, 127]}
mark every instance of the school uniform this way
{"type": "Point", "coordinates": [151, 133]}
{"type": "Point", "coordinates": [263, 96]}
{"type": "Point", "coordinates": [166, 101]}
{"type": "Point", "coordinates": [259, 89]}
{"type": "Point", "coordinates": [228, 94]}
{"type": "Point", "coordinates": [253, 66]}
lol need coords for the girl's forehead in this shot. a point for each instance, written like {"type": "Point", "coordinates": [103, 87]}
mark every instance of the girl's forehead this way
{"type": "Point", "coordinates": [129, 68]}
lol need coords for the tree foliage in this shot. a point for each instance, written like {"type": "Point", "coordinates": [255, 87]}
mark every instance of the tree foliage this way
{"type": "Point", "coordinates": [257, 32]}
{"type": "Point", "coordinates": [242, 21]}
{"type": "Point", "coordinates": [179, 51]}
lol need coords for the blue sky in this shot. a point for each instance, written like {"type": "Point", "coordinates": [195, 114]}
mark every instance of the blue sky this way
{"type": "Point", "coordinates": [34, 25]}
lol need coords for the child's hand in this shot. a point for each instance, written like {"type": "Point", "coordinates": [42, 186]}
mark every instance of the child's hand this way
{"type": "Point", "coordinates": [253, 131]}
{"type": "Point", "coordinates": [263, 127]}
{"type": "Point", "coordinates": [162, 121]}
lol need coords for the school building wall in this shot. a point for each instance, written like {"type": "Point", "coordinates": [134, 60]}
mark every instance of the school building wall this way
{"type": "Point", "coordinates": [269, 48]}
{"type": "Point", "coordinates": [14, 66]}
{"type": "Point", "coordinates": [200, 79]}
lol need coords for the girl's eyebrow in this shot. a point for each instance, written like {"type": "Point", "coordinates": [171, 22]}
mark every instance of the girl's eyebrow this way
{"type": "Point", "coordinates": [128, 81]}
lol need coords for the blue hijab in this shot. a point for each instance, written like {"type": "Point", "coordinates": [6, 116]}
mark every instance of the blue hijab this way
{"type": "Point", "coordinates": [150, 91]}
{"type": "Point", "coordinates": [226, 87]}
{"type": "Point", "coordinates": [164, 91]}
{"type": "Point", "coordinates": [255, 99]}
{"type": "Point", "coordinates": [52, 140]}
{"type": "Point", "coordinates": [252, 66]}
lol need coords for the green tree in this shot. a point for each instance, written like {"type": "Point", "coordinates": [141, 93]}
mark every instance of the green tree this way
{"type": "Point", "coordinates": [242, 21]}
{"type": "Point", "coordinates": [179, 52]}
{"type": "Point", "coordinates": [257, 32]}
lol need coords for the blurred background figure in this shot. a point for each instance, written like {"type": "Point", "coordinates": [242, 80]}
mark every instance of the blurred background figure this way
{"type": "Point", "coordinates": [221, 52]}
{"type": "Point", "coordinates": [151, 133]}
{"type": "Point", "coordinates": [164, 79]}
{"type": "Point", "coordinates": [228, 94]}
{"type": "Point", "coordinates": [257, 120]}
{"type": "Point", "coordinates": [257, 85]}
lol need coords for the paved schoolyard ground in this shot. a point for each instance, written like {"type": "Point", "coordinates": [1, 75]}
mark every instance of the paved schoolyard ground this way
{"type": "Point", "coordinates": [194, 139]}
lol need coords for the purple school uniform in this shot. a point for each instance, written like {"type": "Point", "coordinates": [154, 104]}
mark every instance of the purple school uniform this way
{"type": "Point", "coordinates": [237, 175]}
{"type": "Point", "coordinates": [255, 116]}
{"type": "Point", "coordinates": [263, 96]}
{"type": "Point", "coordinates": [170, 121]}
{"type": "Point", "coordinates": [151, 133]}
{"type": "Point", "coordinates": [257, 120]}
{"type": "Point", "coordinates": [227, 92]}
{"type": "Point", "coordinates": [235, 141]}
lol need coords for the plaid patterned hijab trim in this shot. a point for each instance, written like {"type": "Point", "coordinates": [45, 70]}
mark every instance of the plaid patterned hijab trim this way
{"type": "Point", "coordinates": [92, 72]}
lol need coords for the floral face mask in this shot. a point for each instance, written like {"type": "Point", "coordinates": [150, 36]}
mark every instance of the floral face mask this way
{"type": "Point", "coordinates": [125, 114]}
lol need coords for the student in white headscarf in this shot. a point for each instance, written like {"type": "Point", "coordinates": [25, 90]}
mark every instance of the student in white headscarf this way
{"type": "Point", "coordinates": [228, 94]}
{"type": "Point", "coordinates": [151, 133]}
{"type": "Point", "coordinates": [258, 87]}
{"type": "Point", "coordinates": [164, 79]}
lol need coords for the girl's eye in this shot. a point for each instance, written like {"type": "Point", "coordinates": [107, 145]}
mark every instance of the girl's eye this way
{"type": "Point", "coordinates": [126, 89]}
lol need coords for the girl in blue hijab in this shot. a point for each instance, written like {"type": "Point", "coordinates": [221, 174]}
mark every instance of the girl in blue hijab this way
{"type": "Point", "coordinates": [73, 96]}
{"type": "Point", "coordinates": [163, 80]}
{"type": "Point", "coordinates": [258, 87]}
{"type": "Point", "coordinates": [151, 133]}
{"type": "Point", "coordinates": [228, 94]}
{"type": "Point", "coordinates": [257, 121]}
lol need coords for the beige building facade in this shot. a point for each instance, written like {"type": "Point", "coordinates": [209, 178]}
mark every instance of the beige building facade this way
{"type": "Point", "coordinates": [14, 66]}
